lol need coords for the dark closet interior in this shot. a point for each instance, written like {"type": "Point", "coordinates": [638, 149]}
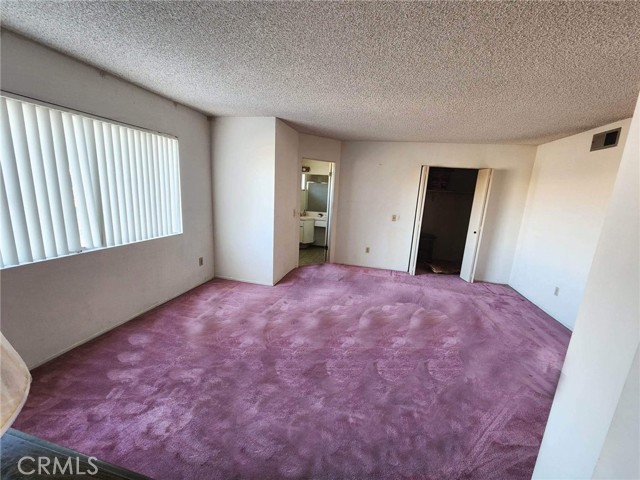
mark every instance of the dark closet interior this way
{"type": "Point", "coordinates": [445, 219]}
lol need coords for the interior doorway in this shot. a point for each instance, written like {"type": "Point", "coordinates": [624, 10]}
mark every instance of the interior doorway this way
{"type": "Point", "coordinates": [316, 200]}
{"type": "Point", "coordinates": [449, 219]}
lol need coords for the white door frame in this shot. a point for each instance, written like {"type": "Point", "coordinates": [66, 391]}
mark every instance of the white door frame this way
{"type": "Point", "coordinates": [329, 229]}
{"type": "Point", "coordinates": [330, 205]}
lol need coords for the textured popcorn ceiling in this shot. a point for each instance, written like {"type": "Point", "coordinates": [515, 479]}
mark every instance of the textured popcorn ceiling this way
{"type": "Point", "coordinates": [513, 72]}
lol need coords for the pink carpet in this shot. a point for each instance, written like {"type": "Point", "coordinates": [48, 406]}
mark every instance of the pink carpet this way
{"type": "Point", "coordinates": [336, 373]}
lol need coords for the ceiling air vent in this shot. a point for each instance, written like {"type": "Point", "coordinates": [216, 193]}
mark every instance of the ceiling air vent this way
{"type": "Point", "coordinates": [605, 139]}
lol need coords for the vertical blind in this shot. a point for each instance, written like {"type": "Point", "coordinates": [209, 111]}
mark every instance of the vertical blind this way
{"type": "Point", "coordinates": [70, 183]}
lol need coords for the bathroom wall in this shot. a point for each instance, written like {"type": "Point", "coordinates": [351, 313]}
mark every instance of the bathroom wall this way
{"type": "Point", "coordinates": [317, 167]}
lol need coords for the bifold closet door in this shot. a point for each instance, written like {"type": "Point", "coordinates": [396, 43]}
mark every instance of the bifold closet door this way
{"type": "Point", "coordinates": [417, 223]}
{"type": "Point", "coordinates": [476, 224]}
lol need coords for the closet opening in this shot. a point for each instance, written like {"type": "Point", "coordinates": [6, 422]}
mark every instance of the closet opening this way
{"type": "Point", "coordinates": [449, 218]}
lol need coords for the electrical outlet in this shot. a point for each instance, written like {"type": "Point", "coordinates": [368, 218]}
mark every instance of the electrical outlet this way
{"type": "Point", "coordinates": [366, 249]}
{"type": "Point", "coordinates": [394, 218]}
{"type": "Point", "coordinates": [556, 292]}
{"type": "Point", "coordinates": [200, 261]}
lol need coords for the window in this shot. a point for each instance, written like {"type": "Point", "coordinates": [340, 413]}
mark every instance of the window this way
{"type": "Point", "coordinates": [70, 183]}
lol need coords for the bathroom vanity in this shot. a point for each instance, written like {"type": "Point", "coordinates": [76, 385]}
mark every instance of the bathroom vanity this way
{"type": "Point", "coordinates": [313, 229]}
{"type": "Point", "coordinates": [307, 230]}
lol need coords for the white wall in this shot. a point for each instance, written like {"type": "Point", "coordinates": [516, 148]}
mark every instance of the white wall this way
{"type": "Point", "coordinates": [244, 163]}
{"type": "Point", "coordinates": [605, 339]}
{"type": "Point", "coordinates": [620, 455]}
{"type": "Point", "coordinates": [379, 179]}
{"type": "Point", "coordinates": [287, 194]}
{"type": "Point", "coordinates": [320, 148]}
{"type": "Point", "coordinates": [256, 184]}
{"type": "Point", "coordinates": [568, 197]}
{"type": "Point", "coordinates": [51, 306]}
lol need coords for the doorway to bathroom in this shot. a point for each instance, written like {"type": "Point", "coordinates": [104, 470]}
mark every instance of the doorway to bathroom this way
{"type": "Point", "coordinates": [316, 197]}
{"type": "Point", "coordinates": [449, 220]}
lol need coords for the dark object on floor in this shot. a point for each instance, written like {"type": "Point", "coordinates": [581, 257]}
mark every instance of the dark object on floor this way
{"type": "Point", "coordinates": [337, 372]}
{"type": "Point", "coordinates": [47, 460]}
{"type": "Point", "coordinates": [442, 266]}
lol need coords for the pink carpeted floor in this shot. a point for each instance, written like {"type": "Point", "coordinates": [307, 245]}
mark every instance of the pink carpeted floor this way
{"type": "Point", "coordinates": [337, 372]}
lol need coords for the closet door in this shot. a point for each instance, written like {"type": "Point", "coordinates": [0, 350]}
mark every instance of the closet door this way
{"type": "Point", "coordinates": [476, 223]}
{"type": "Point", "coordinates": [417, 224]}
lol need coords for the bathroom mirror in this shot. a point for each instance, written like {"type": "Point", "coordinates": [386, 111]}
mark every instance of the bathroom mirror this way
{"type": "Point", "coordinates": [317, 193]}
